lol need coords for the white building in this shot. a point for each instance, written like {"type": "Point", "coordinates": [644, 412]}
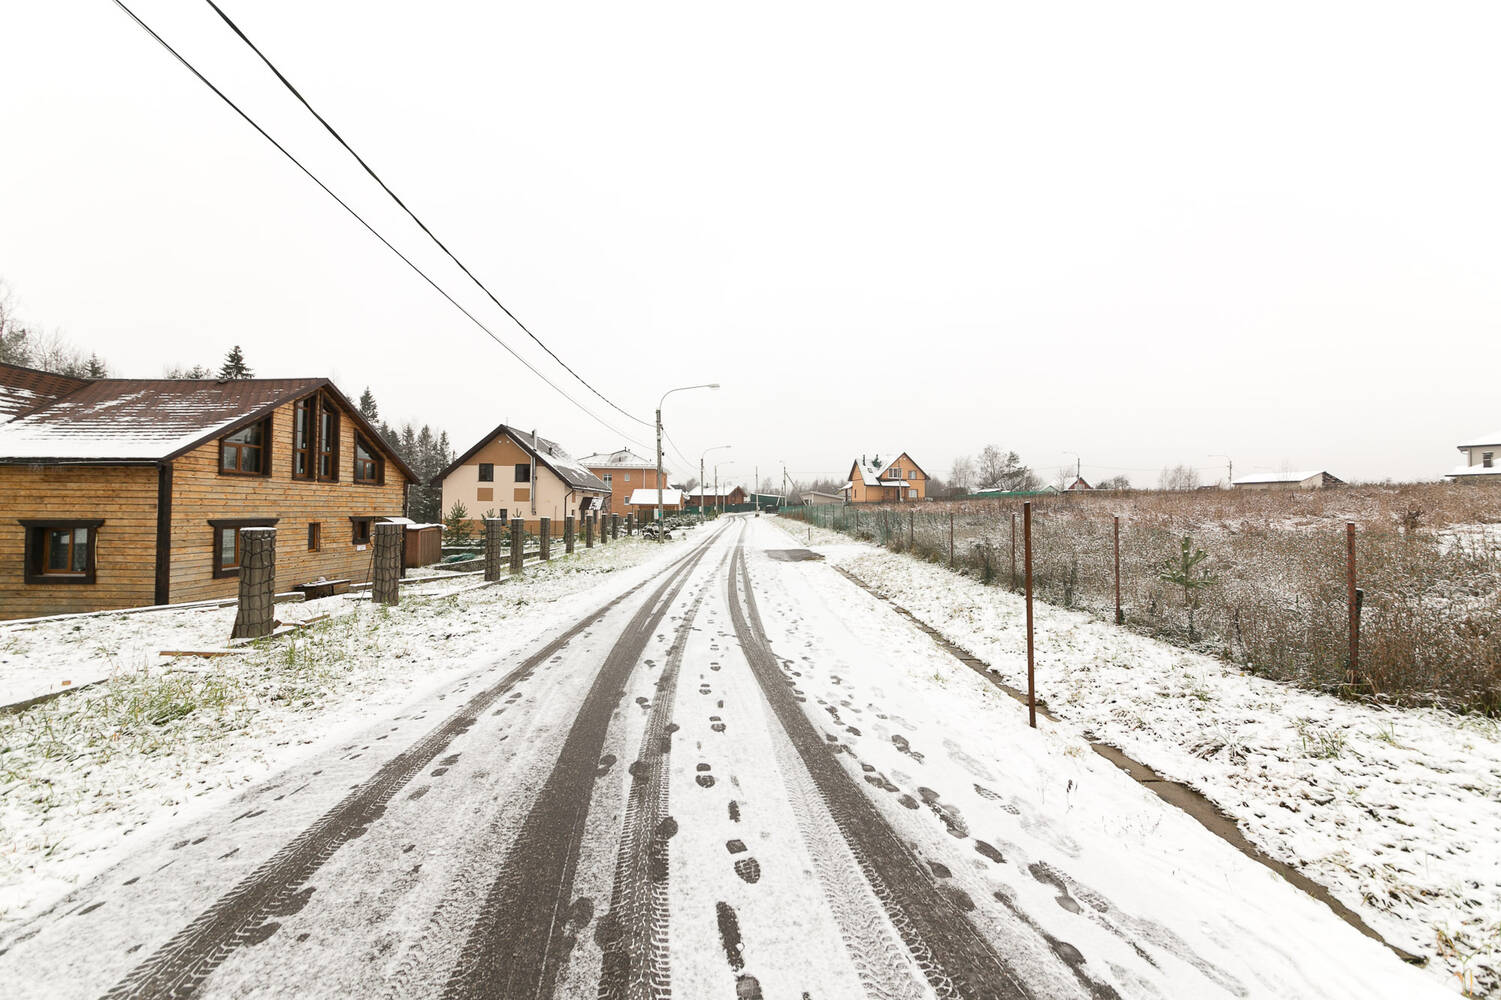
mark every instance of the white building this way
{"type": "Point", "coordinates": [1480, 460]}
{"type": "Point", "coordinates": [1314, 480]}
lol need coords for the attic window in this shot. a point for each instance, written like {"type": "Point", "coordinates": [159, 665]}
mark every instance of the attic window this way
{"type": "Point", "coordinates": [523, 472]}
{"type": "Point", "coordinates": [315, 438]}
{"type": "Point", "coordinates": [243, 453]}
{"type": "Point", "coordinates": [487, 472]}
{"type": "Point", "coordinates": [369, 467]}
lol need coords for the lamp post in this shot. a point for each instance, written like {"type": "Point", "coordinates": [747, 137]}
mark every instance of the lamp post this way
{"type": "Point", "coordinates": [717, 447]}
{"type": "Point", "coordinates": [669, 392]}
{"type": "Point", "coordinates": [717, 505]}
{"type": "Point", "coordinates": [1230, 468]}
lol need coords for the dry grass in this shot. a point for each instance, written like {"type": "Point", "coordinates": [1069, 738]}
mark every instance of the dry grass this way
{"type": "Point", "coordinates": [1428, 558]}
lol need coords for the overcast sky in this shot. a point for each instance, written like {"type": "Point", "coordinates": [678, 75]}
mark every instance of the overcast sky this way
{"type": "Point", "coordinates": [1144, 233]}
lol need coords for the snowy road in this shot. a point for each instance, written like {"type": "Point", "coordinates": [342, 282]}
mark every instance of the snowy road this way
{"type": "Point", "coordinates": [743, 778]}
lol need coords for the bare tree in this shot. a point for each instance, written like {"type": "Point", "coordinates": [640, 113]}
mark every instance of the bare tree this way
{"type": "Point", "coordinates": [24, 345]}
{"type": "Point", "coordinates": [962, 473]}
{"type": "Point", "coordinates": [1003, 470]}
{"type": "Point", "coordinates": [1179, 477]}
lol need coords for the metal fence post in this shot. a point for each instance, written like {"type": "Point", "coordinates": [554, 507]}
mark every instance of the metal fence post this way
{"type": "Point", "coordinates": [1031, 674]}
{"type": "Point", "coordinates": [1120, 618]}
{"type": "Point", "coordinates": [255, 617]}
{"type": "Point", "coordinates": [951, 539]}
{"type": "Point", "coordinates": [545, 534]}
{"type": "Point", "coordinates": [385, 583]}
{"type": "Point", "coordinates": [568, 535]}
{"type": "Point", "coordinates": [1355, 597]}
{"type": "Point", "coordinates": [1013, 551]}
{"type": "Point", "coordinates": [518, 527]}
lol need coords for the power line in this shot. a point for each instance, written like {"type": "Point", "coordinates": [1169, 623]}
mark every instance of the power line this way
{"type": "Point", "coordinates": [413, 215]}
{"type": "Point", "coordinates": [371, 229]}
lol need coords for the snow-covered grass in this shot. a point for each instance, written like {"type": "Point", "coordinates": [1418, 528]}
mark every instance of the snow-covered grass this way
{"type": "Point", "coordinates": [1395, 810]}
{"type": "Point", "coordinates": [158, 740]}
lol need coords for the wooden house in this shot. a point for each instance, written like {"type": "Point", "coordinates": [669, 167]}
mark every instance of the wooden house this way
{"type": "Point", "coordinates": [120, 493]}
{"type": "Point", "coordinates": [706, 497]}
{"type": "Point", "coordinates": [510, 474]}
{"type": "Point", "coordinates": [896, 480]}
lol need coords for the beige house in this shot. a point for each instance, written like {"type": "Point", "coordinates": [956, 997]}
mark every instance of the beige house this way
{"type": "Point", "coordinates": [511, 474]}
{"type": "Point", "coordinates": [896, 480]}
{"type": "Point", "coordinates": [1482, 460]}
{"type": "Point", "coordinates": [1286, 481]}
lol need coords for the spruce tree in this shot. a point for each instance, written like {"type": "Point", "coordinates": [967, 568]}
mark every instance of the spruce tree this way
{"type": "Point", "coordinates": [368, 409]}
{"type": "Point", "coordinates": [234, 366]}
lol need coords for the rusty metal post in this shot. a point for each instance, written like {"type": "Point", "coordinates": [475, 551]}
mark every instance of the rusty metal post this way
{"type": "Point", "coordinates": [1031, 675]}
{"type": "Point", "coordinates": [951, 539]}
{"type": "Point", "coordinates": [518, 541]}
{"type": "Point", "coordinates": [1013, 551]}
{"type": "Point", "coordinates": [1120, 618]}
{"type": "Point", "coordinates": [256, 615]}
{"type": "Point", "coordinates": [495, 528]}
{"type": "Point", "coordinates": [385, 582]}
{"type": "Point", "coordinates": [1354, 597]}
{"type": "Point", "coordinates": [545, 534]}
{"type": "Point", "coordinates": [568, 535]}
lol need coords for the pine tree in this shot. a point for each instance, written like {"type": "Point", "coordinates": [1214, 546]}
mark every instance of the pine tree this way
{"type": "Point", "coordinates": [368, 409]}
{"type": "Point", "coordinates": [1183, 572]}
{"type": "Point", "coordinates": [234, 366]}
{"type": "Point", "coordinates": [456, 528]}
{"type": "Point", "coordinates": [95, 367]}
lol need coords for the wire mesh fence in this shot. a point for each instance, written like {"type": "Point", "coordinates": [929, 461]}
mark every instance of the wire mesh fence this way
{"type": "Point", "coordinates": [1273, 599]}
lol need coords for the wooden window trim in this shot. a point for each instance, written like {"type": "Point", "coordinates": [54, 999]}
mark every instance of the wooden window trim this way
{"type": "Point", "coordinates": [307, 406]}
{"type": "Point", "coordinates": [220, 525]}
{"type": "Point", "coordinates": [354, 529]}
{"type": "Point", "coordinates": [326, 404]}
{"type": "Point", "coordinates": [32, 555]}
{"type": "Point", "coordinates": [315, 536]}
{"type": "Point", "coordinates": [377, 458]}
{"type": "Point", "coordinates": [265, 450]}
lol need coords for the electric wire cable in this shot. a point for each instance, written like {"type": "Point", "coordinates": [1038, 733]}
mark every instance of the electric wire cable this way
{"type": "Point", "coordinates": [371, 229]}
{"type": "Point", "coordinates": [411, 214]}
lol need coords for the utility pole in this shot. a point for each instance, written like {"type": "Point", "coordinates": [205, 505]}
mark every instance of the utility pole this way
{"type": "Point", "coordinates": [1230, 466]}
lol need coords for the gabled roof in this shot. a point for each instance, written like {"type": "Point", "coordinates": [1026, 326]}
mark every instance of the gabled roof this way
{"type": "Point", "coordinates": [1277, 477]}
{"type": "Point", "coordinates": [622, 459]}
{"type": "Point", "coordinates": [648, 498]}
{"type": "Point", "coordinates": [1473, 470]}
{"type": "Point", "coordinates": [705, 491]}
{"type": "Point", "coordinates": [872, 474]}
{"type": "Point", "coordinates": [1494, 437]}
{"type": "Point", "coordinates": [116, 420]}
{"type": "Point", "coordinates": [548, 453]}
{"type": "Point", "coordinates": [24, 389]}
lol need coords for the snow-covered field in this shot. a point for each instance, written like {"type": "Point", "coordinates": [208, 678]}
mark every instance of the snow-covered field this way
{"type": "Point", "coordinates": [159, 740]}
{"type": "Point", "coordinates": [1396, 811]}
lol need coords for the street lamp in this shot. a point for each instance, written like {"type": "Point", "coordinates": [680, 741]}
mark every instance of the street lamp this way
{"type": "Point", "coordinates": [719, 507]}
{"type": "Point", "coordinates": [1230, 467]}
{"type": "Point", "coordinates": [717, 447]}
{"type": "Point", "coordinates": [669, 392]}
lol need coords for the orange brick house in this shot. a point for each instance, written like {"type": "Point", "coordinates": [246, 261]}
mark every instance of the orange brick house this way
{"type": "Point", "coordinates": [120, 493]}
{"type": "Point", "coordinates": [624, 472]}
{"type": "Point", "coordinates": [896, 480]}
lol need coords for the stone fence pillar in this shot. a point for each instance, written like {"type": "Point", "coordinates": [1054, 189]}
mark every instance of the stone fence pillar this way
{"type": "Point", "coordinates": [568, 535]}
{"type": "Point", "coordinates": [588, 531]}
{"type": "Point", "coordinates": [614, 526]}
{"type": "Point", "coordinates": [546, 539]}
{"type": "Point", "coordinates": [518, 540]}
{"type": "Point", "coordinates": [385, 584]}
{"type": "Point", "coordinates": [495, 533]}
{"type": "Point", "coordinates": [256, 615]}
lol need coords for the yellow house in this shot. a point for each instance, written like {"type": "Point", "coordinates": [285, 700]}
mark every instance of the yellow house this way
{"type": "Point", "coordinates": [897, 480]}
{"type": "Point", "coordinates": [511, 474]}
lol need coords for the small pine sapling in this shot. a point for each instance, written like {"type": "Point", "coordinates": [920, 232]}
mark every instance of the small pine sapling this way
{"type": "Point", "coordinates": [456, 527]}
{"type": "Point", "coordinates": [1184, 572]}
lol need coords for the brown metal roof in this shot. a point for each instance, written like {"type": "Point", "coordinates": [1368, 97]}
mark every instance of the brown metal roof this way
{"type": "Point", "coordinates": [25, 389]}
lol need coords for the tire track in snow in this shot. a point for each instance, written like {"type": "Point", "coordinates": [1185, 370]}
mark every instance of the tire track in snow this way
{"type": "Point", "coordinates": [520, 935]}
{"type": "Point", "coordinates": [633, 933]}
{"type": "Point", "coordinates": [955, 959]}
{"type": "Point", "coordinates": [246, 914]}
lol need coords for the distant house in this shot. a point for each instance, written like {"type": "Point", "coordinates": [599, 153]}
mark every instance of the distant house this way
{"type": "Point", "coordinates": [895, 480]}
{"type": "Point", "coordinates": [818, 498]}
{"type": "Point", "coordinates": [510, 474]}
{"type": "Point", "coordinates": [705, 496]}
{"type": "Point", "coordinates": [120, 493]}
{"type": "Point", "coordinates": [643, 503]}
{"type": "Point", "coordinates": [1286, 481]}
{"type": "Point", "coordinates": [1480, 460]}
{"type": "Point", "coordinates": [624, 472]}
{"type": "Point", "coordinates": [1078, 485]}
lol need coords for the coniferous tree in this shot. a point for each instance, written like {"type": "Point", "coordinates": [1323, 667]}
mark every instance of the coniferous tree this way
{"type": "Point", "coordinates": [368, 409]}
{"type": "Point", "coordinates": [234, 366]}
